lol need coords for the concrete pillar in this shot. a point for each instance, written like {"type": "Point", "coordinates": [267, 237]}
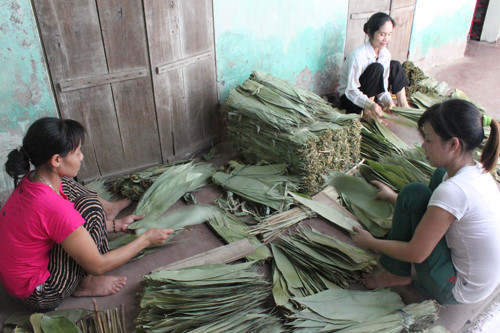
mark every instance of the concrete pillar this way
{"type": "Point", "coordinates": [491, 26]}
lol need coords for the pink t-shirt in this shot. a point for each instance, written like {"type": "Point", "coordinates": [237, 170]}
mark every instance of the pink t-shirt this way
{"type": "Point", "coordinates": [32, 220]}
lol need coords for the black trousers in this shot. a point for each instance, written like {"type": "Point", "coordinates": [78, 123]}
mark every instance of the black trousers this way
{"type": "Point", "coordinates": [372, 83]}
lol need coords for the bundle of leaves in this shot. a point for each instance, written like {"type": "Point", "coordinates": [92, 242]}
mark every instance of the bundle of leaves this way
{"type": "Point", "coordinates": [134, 185]}
{"type": "Point", "coordinates": [206, 298]}
{"type": "Point", "coordinates": [265, 185]}
{"type": "Point", "coordinates": [381, 310]}
{"type": "Point", "coordinates": [67, 321]}
{"type": "Point", "coordinates": [419, 81]}
{"type": "Point", "coordinates": [306, 262]}
{"type": "Point", "coordinates": [272, 121]}
{"type": "Point", "coordinates": [358, 196]}
{"type": "Point", "coordinates": [274, 225]}
{"type": "Point", "coordinates": [232, 228]}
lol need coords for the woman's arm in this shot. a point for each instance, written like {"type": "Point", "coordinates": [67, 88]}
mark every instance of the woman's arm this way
{"type": "Point", "coordinates": [82, 248]}
{"type": "Point", "coordinates": [429, 232]}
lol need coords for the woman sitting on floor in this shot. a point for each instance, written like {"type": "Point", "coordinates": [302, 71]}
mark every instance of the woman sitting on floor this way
{"type": "Point", "coordinates": [451, 229]}
{"type": "Point", "coordinates": [53, 231]}
{"type": "Point", "coordinates": [368, 72]}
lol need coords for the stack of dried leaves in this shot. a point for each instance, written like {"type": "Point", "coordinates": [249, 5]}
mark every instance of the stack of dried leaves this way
{"type": "Point", "coordinates": [421, 82]}
{"type": "Point", "coordinates": [273, 121]}
{"type": "Point", "coordinates": [207, 298]}
{"type": "Point", "coordinates": [306, 262]}
{"type": "Point", "coordinates": [353, 311]}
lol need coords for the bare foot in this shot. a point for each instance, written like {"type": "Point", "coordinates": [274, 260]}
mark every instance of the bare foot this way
{"type": "Point", "coordinates": [384, 279]}
{"type": "Point", "coordinates": [100, 285]}
{"type": "Point", "coordinates": [113, 208]}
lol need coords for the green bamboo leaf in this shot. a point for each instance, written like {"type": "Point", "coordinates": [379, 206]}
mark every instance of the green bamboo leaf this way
{"type": "Point", "coordinates": [58, 325]}
{"type": "Point", "coordinates": [330, 213]}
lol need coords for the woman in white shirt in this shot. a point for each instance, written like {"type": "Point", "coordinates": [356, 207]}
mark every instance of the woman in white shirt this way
{"type": "Point", "coordinates": [368, 72]}
{"type": "Point", "coordinates": [450, 230]}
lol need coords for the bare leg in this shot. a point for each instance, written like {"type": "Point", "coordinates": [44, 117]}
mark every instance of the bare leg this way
{"type": "Point", "coordinates": [384, 279]}
{"type": "Point", "coordinates": [401, 98]}
{"type": "Point", "coordinates": [100, 285]}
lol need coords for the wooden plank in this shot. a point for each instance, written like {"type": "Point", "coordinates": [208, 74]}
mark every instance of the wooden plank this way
{"type": "Point", "coordinates": [103, 79]}
{"type": "Point", "coordinates": [162, 28]}
{"type": "Point", "coordinates": [220, 255]}
{"type": "Point", "coordinates": [201, 101]}
{"type": "Point", "coordinates": [99, 159]}
{"type": "Point", "coordinates": [368, 6]}
{"type": "Point", "coordinates": [196, 26]}
{"type": "Point", "coordinates": [400, 41]}
{"type": "Point", "coordinates": [72, 39]}
{"type": "Point", "coordinates": [184, 62]}
{"type": "Point", "coordinates": [124, 35]}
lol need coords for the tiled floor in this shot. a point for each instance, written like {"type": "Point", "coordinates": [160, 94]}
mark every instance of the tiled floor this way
{"type": "Point", "coordinates": [477, 75]}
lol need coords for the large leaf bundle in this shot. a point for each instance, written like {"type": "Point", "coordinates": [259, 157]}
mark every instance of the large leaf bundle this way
{"type": "Point", "coordinates": [206, 298]}
{"type": "Point", "coordinates": [266, 185]}
{"type": "Point", "coordinates": [273, 121]}
{"type": "Point", "coordinates": [420, 82]}
{"type": "Point", "coordinates": [306, 262]}
{"type": "Point", "coordinates": [352, 311]}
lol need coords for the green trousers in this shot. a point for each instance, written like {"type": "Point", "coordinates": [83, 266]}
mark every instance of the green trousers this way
{"type": "Point", "coordinates": [436, 274]}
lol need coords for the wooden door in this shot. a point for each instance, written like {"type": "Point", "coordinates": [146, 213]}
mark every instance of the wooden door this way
{"type": "Point", "coordinates": [99, 59]}
{"type": "Point", "coordinates": [400, 10]}
{"type": "Point", "coordinates": [180, 35]}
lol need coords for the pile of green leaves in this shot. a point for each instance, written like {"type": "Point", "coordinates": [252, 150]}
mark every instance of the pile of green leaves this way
{"type": "Point", "coordinates": [206, 298]}
{"type": "Point", "coordinates": [272, 121]}
{"type": "Point", "coordinates": [133, 186]}
{"type": "Point", "coordinates": [306, 262]}
{"type": "Point", "coordinates": [232, 228]}
{"type": "Point", "coordinates": [272, 226]}
{"type": "Point", "coordinates": [358, 196]}
{"type": "Point", "coordinates": [67, 321]}
{"type": "Point", "coordinates": [265, 185]}
{"type": "Point", "coordinates": [381, 310]}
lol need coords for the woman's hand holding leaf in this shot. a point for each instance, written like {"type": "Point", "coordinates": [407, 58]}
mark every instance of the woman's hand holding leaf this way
{"type": "Point", "coordinates": [385, 192]}
{"type": "Point", "coordinates": [156, 236]}
{"type": "Point", "coordinates": [362, 238]}
{"type": "Point", "coordinates": [123, 223]}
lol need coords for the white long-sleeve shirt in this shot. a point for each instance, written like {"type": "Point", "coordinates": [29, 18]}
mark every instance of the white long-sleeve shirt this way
{"type": "Point", "coordinates": [356, 63]}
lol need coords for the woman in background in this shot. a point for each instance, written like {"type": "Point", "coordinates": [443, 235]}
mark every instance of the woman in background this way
{"type": "Point", "coordinates": [368, 72]}
{"type": "Point", "coordinates": [451, 229]}
{"type": "Point", "coordinates": [53, 231]}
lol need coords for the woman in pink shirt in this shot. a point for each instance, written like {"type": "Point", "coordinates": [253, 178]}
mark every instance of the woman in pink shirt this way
{"type": "Point", "coordinates": [53, 231]}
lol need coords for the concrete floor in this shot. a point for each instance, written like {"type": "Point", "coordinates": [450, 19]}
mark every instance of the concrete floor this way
{"type": "Point", "coordinates": [476, 74]}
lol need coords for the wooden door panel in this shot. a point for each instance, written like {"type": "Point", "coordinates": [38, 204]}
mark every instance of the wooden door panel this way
{"type": "Point", "coordinates": [196, 27]}
{"type": "Point", "coordinates": [359, 12]}
{"type": "Point", "coordinates": [400, 42]}
{"type": "Point", "coordinates": [184, 73]}
{"type": "Point", "coordinates": [201, 99]}
{"type": "Point", "coordinates": [87, 43]}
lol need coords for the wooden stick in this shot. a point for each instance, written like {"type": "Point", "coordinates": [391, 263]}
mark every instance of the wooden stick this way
{"type": "Point", "coordinates": [219, 255]}
{"type": "Point", "coordinates": [100, 326]}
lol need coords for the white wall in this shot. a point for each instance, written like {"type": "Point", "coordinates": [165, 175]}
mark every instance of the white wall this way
{"type": "Point", "coordinates": [491, 26]}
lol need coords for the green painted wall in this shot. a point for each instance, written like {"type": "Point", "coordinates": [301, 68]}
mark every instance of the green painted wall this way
{"type": "Point", "coordinates": [440, 30]}
{"type": "Point", "coordinates": [298, 41]}
{"type": "Point", "coordinates": [25, 91]}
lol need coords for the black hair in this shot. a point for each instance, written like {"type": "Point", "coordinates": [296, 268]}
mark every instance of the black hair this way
{"type": "Point", "coordinates": [461, 119]}
{"type": "Point", "coordinates": [375, 22]}
{"type": "Point", "coordinates": [45, 138]}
